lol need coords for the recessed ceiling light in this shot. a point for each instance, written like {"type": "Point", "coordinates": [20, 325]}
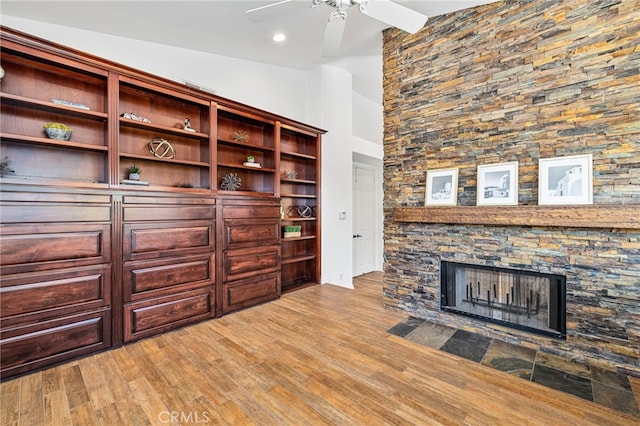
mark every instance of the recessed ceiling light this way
{"type": "Point", "coordinates": [279, 37]}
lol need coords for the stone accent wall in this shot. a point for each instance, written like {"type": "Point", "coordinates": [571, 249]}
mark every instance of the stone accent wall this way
{"type": "Point", "coordinates": [519, 80]}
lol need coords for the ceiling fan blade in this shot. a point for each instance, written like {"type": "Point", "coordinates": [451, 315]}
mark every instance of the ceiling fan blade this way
{"type": "Point", "coordinates": [395, 15]}
{"type": "Point", "coordinates": [275, 10]}
{"type": "Point", "coordinates": [333, 36]}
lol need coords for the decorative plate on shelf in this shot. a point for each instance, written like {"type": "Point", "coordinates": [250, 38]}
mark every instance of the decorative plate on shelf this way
{"type": "Point", "coordinates": [230, 182]}
{"type": "Point", "coordinates": [240, 136]}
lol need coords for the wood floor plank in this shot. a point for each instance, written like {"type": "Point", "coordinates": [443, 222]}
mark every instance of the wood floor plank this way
{"type": "Point", "coordinates": [10, 402]}
{"type": "Point", "coordinates": [320, 355]}
{"type": "Point", "coordinates": [56, 408]}
{"type": "Point", "coordinates": [31, 411]}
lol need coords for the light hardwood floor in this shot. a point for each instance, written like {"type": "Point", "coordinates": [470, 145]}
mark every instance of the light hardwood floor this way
{"type": "Point", "coordinates": [320, 355]}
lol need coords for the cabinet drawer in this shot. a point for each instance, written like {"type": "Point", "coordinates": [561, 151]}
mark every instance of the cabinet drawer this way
{"type": "Point", "coordinates": [160, 277]}
{"type": "Point", "coordinates": [167, 213]}
{"type": "Point", "coordinates": [34, 213]}
{"type": "Point", "coordinates": [27, 248]}
{"type": "Point", "coordinates": [45, 343]}
{"type": "Point", "coordinates": [167, 239]}
{"type": "Point", "coordinates": [252, 212]}
{"type": "Point", "coordinates": [41, 295]}
{"type": "Point", "coordinates": [243, 233]}
{"type": "Point", "coordinates": [244, 293]}
{"type": "Point", "coordinates": [158, 315]}
{"type": "Point", "coordinates": [244, 263]}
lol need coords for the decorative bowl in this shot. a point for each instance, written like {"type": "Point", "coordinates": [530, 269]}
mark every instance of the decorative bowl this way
{"type": "Point", "coordinates": [58, 134]}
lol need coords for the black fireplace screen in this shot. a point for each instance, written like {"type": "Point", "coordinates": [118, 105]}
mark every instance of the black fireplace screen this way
{"type": "Point", "coordinates": [518, 298]}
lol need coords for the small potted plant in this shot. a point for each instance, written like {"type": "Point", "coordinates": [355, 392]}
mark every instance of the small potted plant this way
{"type": "Point", "coordinates": [134, 172]}
{"type": "Point", "coordinates": [251, 159]}
{"type": "Point", "coordinates": [57, 131]}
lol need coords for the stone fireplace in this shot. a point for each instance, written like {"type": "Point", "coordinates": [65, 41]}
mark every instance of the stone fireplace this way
{"type": "Point", "coordinates": [516, 298]}
{"type": "Point", "coordinates": [519, 81]}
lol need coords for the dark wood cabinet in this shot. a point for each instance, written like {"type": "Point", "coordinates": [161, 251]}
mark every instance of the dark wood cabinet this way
{"type": "Point", "coordinates": [168, 256]}
{"type": "Point", "coordinates": [56, 281]}
{"type": "Point", "coordinates": [92, 259]}
{"type": "Point", "coordinates": [250, 252]}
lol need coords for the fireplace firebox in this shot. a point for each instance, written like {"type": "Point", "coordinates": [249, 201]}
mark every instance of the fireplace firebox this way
{"type": "Point", "coordinates": [521, 299]}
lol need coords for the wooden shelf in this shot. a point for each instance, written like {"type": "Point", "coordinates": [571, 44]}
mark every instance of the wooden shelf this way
{"type": "Point", "coordinates": [160, 128]}
{"type": "Point", "coordinates": [164, 160]}
{"type": "Point", "coordinates": [28, 180]}
{"type": "Point", "coordinates": [246, 145]}
{"type": "Point", "coordinates": [299, 155]}
{"type": "Point", "coordinates": [297, 219]}
{"type": "Point", "coordinates": [301, 181]}
{"type": "Point", "coordinates": [22, 101]}
{"type": "Point", "coordinates": [298, 195]}
{"type": "Point", "coordinates": [163, 188]}
{"type": "Point", "coordinates": [240, 166]}
{"type": "Point", "coordinates": [9, 137]}
{"type": "Point", "coordinates": [602, 216]}
{"type": "Point", "coordinates": [304, 237]}
{"type": "Point", "coordinates": [287, 261]}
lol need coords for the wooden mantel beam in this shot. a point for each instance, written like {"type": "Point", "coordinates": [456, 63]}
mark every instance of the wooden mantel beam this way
{"type": "Point", "coordinates": [602, 216]}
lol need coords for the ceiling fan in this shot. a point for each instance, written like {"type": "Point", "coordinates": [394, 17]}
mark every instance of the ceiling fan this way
{"type": "Point", "coordinates": [385, 11]}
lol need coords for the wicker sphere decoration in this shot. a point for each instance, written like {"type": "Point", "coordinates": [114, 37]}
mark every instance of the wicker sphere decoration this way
{"type": "Point", "coordinates": [230, 182]}
{"type": "Point", "coordinates": [162, 148]}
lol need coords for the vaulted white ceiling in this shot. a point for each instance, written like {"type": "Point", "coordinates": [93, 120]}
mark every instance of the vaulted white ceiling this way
{"type": "Point", "coordinates": [222, 28]}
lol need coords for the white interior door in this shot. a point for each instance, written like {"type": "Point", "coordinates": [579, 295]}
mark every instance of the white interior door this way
{"type": "Point", "coordinates": [364, 220]}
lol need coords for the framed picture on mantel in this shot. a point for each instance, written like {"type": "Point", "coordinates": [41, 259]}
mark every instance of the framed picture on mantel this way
{"type": "Point", "coordinates": [498, 184]}
{"type": "Point", "coordinates": [442, 187]}
{"type": "Point", "coordinates": [565, 180]}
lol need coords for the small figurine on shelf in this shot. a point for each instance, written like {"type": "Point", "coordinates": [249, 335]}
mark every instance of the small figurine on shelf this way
{"type": "Point", "coordinates": [4, 167]}
{"type": "Point", "coordinates": [134, 172]}
{"type": "Point", "coordinates": [251, 159]}
{"type": "Point", "coordinates": [187, 125]}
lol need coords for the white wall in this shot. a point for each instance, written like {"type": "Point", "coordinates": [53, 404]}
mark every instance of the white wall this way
{"type": "Point", "coordinates": [280, 90]}
{"type": "Point", "coordinates": [366, 124]}
{"type": "Point", "coordinates": [331, 97]}
{"type": "Point", "coordinates": [322, 97]}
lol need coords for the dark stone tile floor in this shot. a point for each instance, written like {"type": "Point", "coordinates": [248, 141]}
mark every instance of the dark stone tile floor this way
{"type": "Point", "coordinates": [590, 382]}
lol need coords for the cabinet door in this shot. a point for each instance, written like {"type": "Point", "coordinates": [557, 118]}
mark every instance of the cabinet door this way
{"type": "Point", "coordinates": [167, 239]}
{"type": "Point", "coordinates": [51, 246]}
{"type": "Point", "coordinates": [30, 346]}
{"type": "Point", "coordinates": [157, 315]}
{"type": "Point", "coordinates": [250, 233]}
{"type": "Point", "coordinates": [145, 279]}
{"type": "Point", "coordinates": [242, 263]}
{"type": "Point", "coordinates": [244, 293]}
{"type": "Point", "coordinates": [38, 296]}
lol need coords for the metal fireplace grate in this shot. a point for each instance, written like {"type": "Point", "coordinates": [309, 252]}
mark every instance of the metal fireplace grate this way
{"type": "Point", "coordinates": [521, 299]}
